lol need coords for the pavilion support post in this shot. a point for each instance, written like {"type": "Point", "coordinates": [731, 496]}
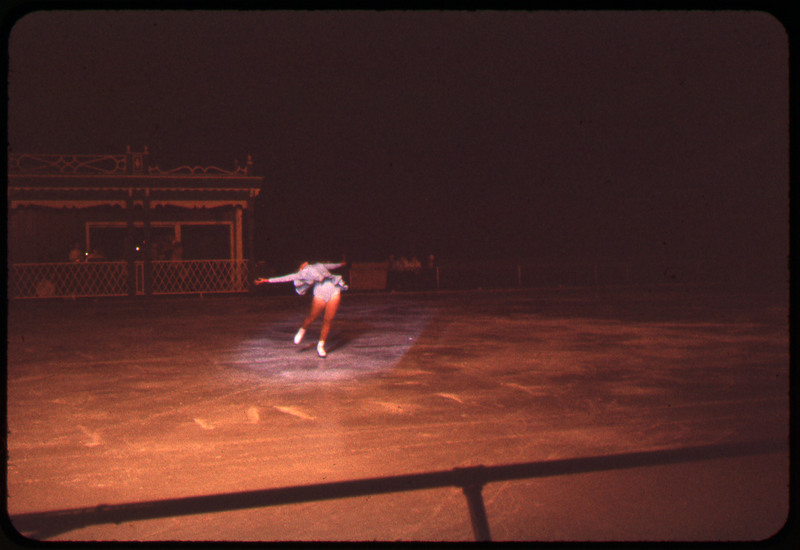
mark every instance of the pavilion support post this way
{"type": "Point", "coordinates": [251, 228]}
{"type": "Point", "coordinates": [130, 244]}
{"type": "Point", "coordinates": [250, 238]}
{"type": "Point", "coordinates": [238, 238]}
{"type": "Point", "coordinates": [148, 245]}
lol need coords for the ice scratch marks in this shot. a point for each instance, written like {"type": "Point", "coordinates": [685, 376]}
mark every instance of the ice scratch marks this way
{"type": "Point", "coordinates": [94, 437]}
{"type": "Point", "coordinates": [393, 408]}
{"type": "Point", "coordinates": [252, 415]}
{"type": "Point", "coordinates": [526, 389]}
{"type": "Point", "coordinates": [450, 396]}
{"type": "Point", "coordinates": [294, 412]}
{"type": "Point", "coordinates": [357, 348]}
{"type": "Point", "coordinates": [203, 424]}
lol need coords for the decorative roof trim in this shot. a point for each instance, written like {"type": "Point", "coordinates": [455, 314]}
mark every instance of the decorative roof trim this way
{"type": "Point", "coordinates": [65, 204]}
{"type": "Point", "coordinates": [129, 164]}
{"type": "Point", "coordinates": [67, 164]}
{"type": "Point", "coordinates": [253, 191]}
{"type": "Point", "coordinates": [200, 171]}
{"type": "Point", "coordinates": [89, 203]}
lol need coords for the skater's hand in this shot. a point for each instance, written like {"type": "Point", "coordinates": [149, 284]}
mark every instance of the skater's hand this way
{"type": "Point", "coordinates": [261, 281]}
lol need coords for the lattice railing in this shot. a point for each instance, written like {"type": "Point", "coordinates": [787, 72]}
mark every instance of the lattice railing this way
{"type": "Point", "coordinates": [96, 279]}
{"type": "Point", "coordinates": [68, 279]}
{"type": "Point", "coordinates": [196, 276]}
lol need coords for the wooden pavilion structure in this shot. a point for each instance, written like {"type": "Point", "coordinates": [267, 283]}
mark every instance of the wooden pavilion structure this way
{"type": "Point", "coordinates": [159, 227]}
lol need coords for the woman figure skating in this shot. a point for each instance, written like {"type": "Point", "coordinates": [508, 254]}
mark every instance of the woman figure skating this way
{"type": "Point", "coordinates": [327, 290]}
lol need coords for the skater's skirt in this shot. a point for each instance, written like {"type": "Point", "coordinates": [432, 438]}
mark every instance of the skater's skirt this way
{"type": "Point", "coordinates": [326, 290]}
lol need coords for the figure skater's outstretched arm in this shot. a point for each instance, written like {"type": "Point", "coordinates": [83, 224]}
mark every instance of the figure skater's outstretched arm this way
{"type": "Point", "coordinates": [284, 279]}
{"type": "Point", "coordinates": [298, 275]}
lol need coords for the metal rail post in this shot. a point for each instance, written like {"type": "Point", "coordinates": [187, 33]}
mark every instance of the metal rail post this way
{"type": "Point", "coordinates": [477, 513]}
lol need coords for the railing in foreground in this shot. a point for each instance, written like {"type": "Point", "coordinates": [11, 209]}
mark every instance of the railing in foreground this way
{"type": "Point", "coordinates": [99, 279]}
{"type": "Point", "coordinates": [471, 480]}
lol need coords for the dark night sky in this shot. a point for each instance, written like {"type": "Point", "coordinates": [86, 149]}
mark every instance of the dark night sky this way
{"type": "Point", "coordinates": [651, 136]}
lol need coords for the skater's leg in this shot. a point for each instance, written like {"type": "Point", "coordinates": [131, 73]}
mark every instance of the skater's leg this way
{"type": "Point", "coordinates": [327, 320]}
{"type": "Point", "coordinates": [317, 306]}
{"type": "Point", "coordinates": [330, 313]}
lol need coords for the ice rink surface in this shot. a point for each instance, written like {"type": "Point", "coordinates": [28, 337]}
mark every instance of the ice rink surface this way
{"type": "Point", "coordinates": [126, 402]}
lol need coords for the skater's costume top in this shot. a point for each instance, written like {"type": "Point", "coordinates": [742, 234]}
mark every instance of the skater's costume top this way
{"type": "Point", "coordinates": [312, 275]}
